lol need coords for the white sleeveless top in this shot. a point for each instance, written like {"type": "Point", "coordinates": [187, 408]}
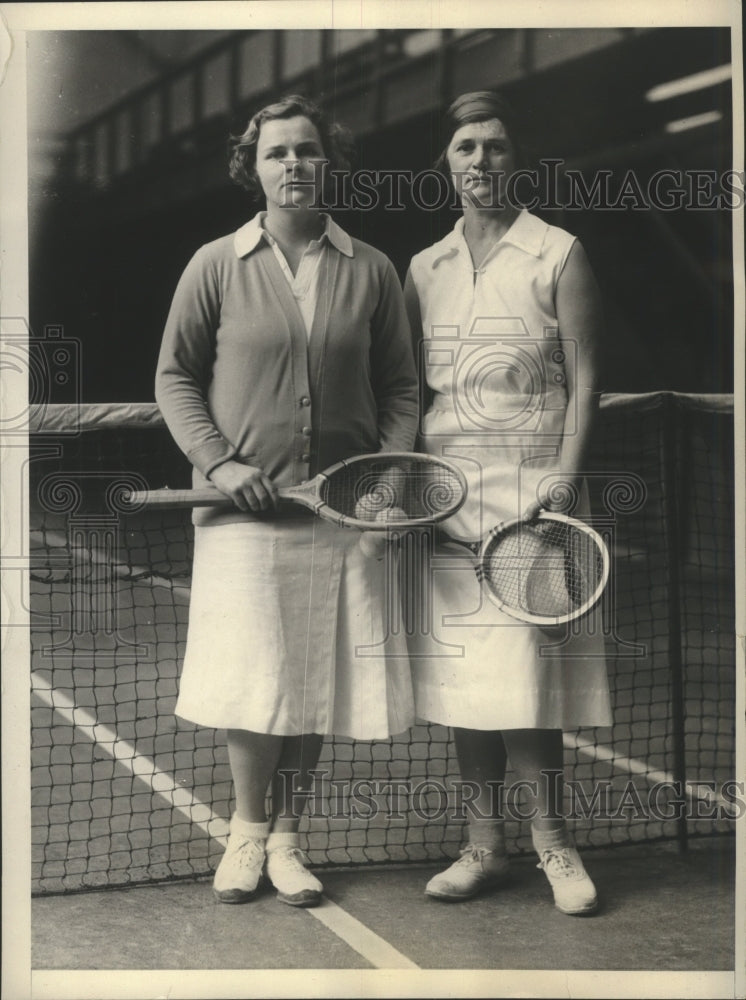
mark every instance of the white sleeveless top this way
{"type": "Point", "coordinates": [493, 358]}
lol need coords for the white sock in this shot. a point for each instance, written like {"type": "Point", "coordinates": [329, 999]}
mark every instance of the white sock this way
{"type": "Point", "coordinates": [276, 841]}
{"type": "Point", "coordinates": [543, 840]}
{"type": "Point", "coordinates": [245, 828]}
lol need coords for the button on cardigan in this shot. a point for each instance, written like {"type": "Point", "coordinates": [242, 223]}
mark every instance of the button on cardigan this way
{"type": "Point", "coordinates": [238, 378]}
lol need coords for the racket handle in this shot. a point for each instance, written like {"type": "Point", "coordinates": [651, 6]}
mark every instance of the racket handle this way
{"type": "Point", "coordinates": [207, 496]}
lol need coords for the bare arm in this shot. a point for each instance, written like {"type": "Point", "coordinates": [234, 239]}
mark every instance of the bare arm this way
{"type": "Point", "coordinates": [580, 322]}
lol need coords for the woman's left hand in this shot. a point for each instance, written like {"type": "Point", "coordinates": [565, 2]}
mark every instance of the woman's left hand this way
{"type": "Point", "coordinates": [535, 508]}
{"type": "Point", "coordinates": [532, 511]}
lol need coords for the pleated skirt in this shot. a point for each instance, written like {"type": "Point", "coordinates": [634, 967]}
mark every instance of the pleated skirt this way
{"type": "Point", "coordinates": [294, 629]}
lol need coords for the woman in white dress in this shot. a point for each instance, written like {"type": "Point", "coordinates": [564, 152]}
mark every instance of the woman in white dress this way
{"type": "Point", "coordinates": [286, 349]}
{"type": "Point", "coordinates": [506, 316]}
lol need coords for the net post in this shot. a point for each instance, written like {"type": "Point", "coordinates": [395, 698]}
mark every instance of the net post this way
{"type": "Point", "coordinates": [669, 443]}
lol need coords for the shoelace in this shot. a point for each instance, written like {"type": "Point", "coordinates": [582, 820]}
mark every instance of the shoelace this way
{"type": "Point", "coordinates": [247, 853]}
{"type": "Point", "coordinates": [471, 854]}
{"type": "Point", "coordinates": [556, 861]}
{"type": "Point", "coordinates": [292, 859]}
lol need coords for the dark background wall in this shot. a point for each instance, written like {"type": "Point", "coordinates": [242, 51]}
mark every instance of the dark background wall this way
{"type": "Point", "coordinates": [127, 147]}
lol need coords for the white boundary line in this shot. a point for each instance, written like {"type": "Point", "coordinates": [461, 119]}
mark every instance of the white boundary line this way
{"type": "Point", "coordinates": [693, 791]}
{"type": "Point", "coordinates": [369, 945]}
{"type": "Point", "coordinates": [362, 939]}
{"type": "Point", "coordinates": [136, 763]}
{"type": "Point", "coordinates": [214, 826]}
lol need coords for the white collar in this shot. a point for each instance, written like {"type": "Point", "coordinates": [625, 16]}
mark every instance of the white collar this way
{"type": "Point", "coordinates": [527, 233]}
{"type": "Point", "coordinates": [247, 238]}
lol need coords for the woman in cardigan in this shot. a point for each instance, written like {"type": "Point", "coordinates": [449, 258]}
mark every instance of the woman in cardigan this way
{"type": "Point", "coordinates": [286, 349]}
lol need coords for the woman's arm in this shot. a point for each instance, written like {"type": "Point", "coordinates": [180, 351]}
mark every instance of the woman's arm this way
{"type": "Point", "coordinates": [185, 365]}
{"type": "Point", "coordinates": [580, 322]}
{"type": "Point", "coordinates": [414, 314]}
{"type": "Point", "coordinates": [183, 374]}
{"type": "Point", "coordinates": [392, 367]}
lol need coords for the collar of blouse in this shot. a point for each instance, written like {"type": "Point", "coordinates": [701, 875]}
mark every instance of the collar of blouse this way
{"type": "Point", "coordinates": [250, 235]}
{"type": "Point", "coordinates": [527, 234]}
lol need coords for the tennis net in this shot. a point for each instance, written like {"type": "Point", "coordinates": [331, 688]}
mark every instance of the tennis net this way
{"type": "Point", "coordinates": [124, 792]}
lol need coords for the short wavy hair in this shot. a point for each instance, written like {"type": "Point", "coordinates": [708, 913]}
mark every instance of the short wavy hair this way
{"type": "Point", "coordinates": [336, 140]}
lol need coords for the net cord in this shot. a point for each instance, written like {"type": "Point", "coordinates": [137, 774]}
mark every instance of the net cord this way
{"type": "Point", "coordinates": [66, 418]}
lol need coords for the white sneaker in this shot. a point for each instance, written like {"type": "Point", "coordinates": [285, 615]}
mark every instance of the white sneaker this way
{"type": "Point", "coordinates": [240, 869]}
{"type": "Point", "coordinates": [574, 892]}
{"type": "Point", "coordinates": [288, 874]}
{"type": "Point", "coordinates": [478, 868]}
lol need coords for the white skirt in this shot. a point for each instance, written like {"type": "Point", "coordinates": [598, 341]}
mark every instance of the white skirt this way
{"type": "Point", "coordinates": [475, 667]}
{"type": "Point", "coordinates": [292, 630]}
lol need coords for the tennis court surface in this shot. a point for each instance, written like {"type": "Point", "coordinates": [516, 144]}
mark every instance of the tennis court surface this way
{"type": "Point", "coordinates": [659, 911]}
{"type": "Point", "coordinates": [128, 800]}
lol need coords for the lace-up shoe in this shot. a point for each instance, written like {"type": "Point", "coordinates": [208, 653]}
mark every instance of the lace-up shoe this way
{"type": "Point", "coordinates": [288, 874]}
{"type": "Point", "coordinates": [574, 892]}
{"type": "Point", "coordinates": [478, 868]}
{"type": "Point", "coordinates": [240, 869]}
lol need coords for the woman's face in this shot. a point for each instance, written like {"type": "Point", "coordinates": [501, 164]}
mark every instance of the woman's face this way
{"type": "Point", "coordinates": [480, 157]}
{"type": "Point", "coordinates": [290, 162]}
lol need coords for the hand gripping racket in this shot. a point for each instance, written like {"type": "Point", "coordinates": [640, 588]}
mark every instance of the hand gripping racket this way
{"type": "Point", "coordinates": [547, 571]}
{"type": "Point", "coordinates": [373, 492]}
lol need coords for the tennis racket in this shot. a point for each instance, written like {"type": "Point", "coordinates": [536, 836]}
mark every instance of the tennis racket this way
{"type": "Point", "coordinates": [547, 571]}
{"type": "Point", "coordinates": [372, 492]}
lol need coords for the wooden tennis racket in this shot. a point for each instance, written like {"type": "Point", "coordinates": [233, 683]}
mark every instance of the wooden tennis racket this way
{"type": "Point", "coordinates": [372, 492]}
{"type": "Point", "coordinates": [548, 571]}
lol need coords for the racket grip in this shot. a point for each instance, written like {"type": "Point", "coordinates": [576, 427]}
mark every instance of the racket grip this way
{"type": "Point", "coordinates": [207, 496]}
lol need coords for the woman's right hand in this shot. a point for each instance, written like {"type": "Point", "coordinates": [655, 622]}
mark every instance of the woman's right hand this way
{"type": "Point", "coordinates": [247, 486]}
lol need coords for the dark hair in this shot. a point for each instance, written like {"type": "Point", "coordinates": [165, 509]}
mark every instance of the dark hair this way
{"type": "Point", "coordinates": [336, 140]}
{"type": "Point", "coordinates": [479, 106]}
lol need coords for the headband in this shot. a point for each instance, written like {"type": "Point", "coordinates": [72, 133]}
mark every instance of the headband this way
{"type": "Point", "coordinates": [480, 102]}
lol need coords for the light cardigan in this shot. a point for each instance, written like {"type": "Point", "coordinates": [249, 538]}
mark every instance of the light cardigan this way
{"type": "Point", "coordinates": [238, 378]}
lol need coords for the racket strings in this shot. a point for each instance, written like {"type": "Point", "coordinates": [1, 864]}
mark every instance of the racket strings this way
{"type": "Point", "coordinates": [545, 569]}
{"type": "Point", "coordinates": [407, 489]}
